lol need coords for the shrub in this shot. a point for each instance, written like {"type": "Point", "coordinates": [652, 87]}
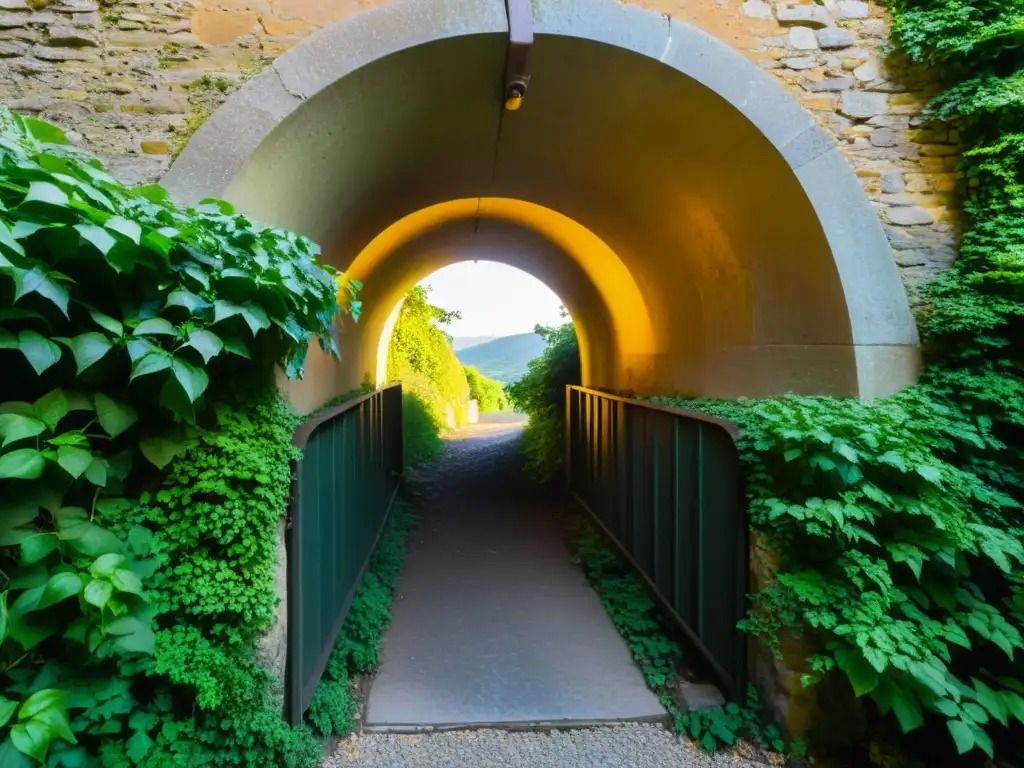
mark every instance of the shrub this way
{"type": "Point", "coordinates": [488, 393]}
{"type": "Point", "coordinates": [124, 323]}
{"type": "Point", "coordinates": [540, 393]}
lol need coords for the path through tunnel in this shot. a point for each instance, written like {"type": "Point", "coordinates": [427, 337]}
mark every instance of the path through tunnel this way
{"type": "Point", "coordinates": [706, 236]}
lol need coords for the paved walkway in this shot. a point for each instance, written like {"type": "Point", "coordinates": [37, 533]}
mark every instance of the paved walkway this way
{"type": "Point", "coordinates": [492, 624]}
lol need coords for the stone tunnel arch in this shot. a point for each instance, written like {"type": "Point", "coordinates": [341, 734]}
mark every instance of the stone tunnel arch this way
{"type": "Point", "coordinates": [749, 260]}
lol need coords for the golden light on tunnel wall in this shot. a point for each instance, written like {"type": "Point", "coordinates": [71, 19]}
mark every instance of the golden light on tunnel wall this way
{"type": "Point", "coordinates": [612, 321]}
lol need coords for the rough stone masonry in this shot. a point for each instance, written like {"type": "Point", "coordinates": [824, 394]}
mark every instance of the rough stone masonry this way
{"type": "Point", "coordinates": [131, 80]}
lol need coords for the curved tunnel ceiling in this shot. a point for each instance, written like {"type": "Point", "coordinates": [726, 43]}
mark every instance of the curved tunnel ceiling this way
{"type": "Point", "coordinates": [748, 286]}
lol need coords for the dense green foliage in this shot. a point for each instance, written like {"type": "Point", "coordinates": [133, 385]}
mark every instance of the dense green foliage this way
{"type": "Point", "coordinates": [640, 622]}
{"type": "Point", "coordinates": [128, 330]}
{"type": "Point", "coordinates": [541, 395]}
{"type": "Point", "coordinates": [420, 356]}
{"type": "Point", "coordinates": [489, 394]}
{"type": "Point", "coordinates": [334, 704]}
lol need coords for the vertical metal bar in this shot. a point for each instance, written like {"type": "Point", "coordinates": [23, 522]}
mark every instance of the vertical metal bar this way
{"type": "Point", "coordinates": [701, 606]}
{"type": "Point", "coordinates": [568, 438]}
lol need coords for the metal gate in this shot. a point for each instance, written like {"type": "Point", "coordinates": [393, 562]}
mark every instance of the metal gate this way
{"type": "Point", "coordinates": [667, 488]}
{"type": "Point", "coordinates": [342, 491]}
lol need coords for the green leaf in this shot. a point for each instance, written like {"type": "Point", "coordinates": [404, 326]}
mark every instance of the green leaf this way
{"type": "Point", "coordinates": [193, 380]}
{"type": "Point", "coordinates": [98, 592]}
{"type": "Point", "coordinates": [129, 229]}
{"type": "Point", "coordinates": [37, 280]}
{"type": "Point", "coordinates": [57, 719]}
{"type": "Point", "coordinates": [12, 757]}
{"type": "Point", "coordinates": [32, 738]}
{"type": "Point", "coordinates": [38, 546]}
{"type": "Point", "coordinates": [8, 242]}
{"type": "Point", "coordinates": [41, 353]}
{"type": "Point", "coordinates": [962, 735]}
{"type": "Point", "coordinates": [107, 323]}
{"type": "Point", "coordinates": [161, 450]}
{"type": "Point", "coordinates": [237, 347]}
{"type": "Point", "coordinates": [14, 427]}
{"type": "Point", "coordinates": [114, 417]}
{"type": "Point", "coordinates": [154, 362]}
{"type": "Point", "coordinates": [862, 675]}
{"type": "Point", "coordinates": [907, 710]}
{"type": "Point", "coordinates": [52, 407]}
{"type": "Point", "coordinates": [98, 237]}
{"type": "Point", "coordinates": [60, 587]}
{"type": "Point", "coordinates": [252, 314]}
{"type": "Point", "coordinates": [23, 464]}
{"type": "Point", "coordinates": [105, 565]}
{"type": "Point", "coordinates": [155, 326]}
{"type": "Point", "coordinates": [74, 460]}
{"type": "Point", "coordinates": [3, 631]}
{"type": "Point", "coordinates": [45, 192]}
{"type": "Point", "coordinates": [89, 348]}
{"type": "Point", "coordinates": [39, 702]}
{"type": "Point", "coordinates": [138, 746]}
{"type": "Point", "coordinates": [930, 473]}
{"type": "Point", "coordinates": [96, 472]}
{"type": "Point", "coordinates": [186, 299]}
{"type": "Point", "coordinates": [206, 343]}
{"type": "Point", "coordinates": [133, 636]}
{"type": "Point", "coordinates": [45, 132]}
{"type": "Point", "coordinates": [126, 581]}
{"type": "Point", "coordinates": [7, 708]}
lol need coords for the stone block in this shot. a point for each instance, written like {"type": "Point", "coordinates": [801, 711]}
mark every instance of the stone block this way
{"type": "Point", "coordinates": [862, 104]}
{"type": "Point", "coordinates": [834, 37]}
{"type": "Point", "coordinates": [834, 84]}
{"type": "Point", "coordinates": [14, 5]}
{"type": "Point", "coordinates": [804, 14]}
{"type": "Point", "coordinates": [893, 183]}
{"type": "Point", "coordinates": [802, 39]}
{"type": "Point", "coordinates": [884, 137]}
{"type": "Point", "coordinates": [155, 147]}
{"type": "Point", "coordinates": [47, 53]}
{"type": "Point", "coordinates": [756, 9]}
{"type": "Point", "coordinates": [867, 71]}
{"type": "Point", "coordinates": [852, 9]}
{"type": "Point", "coordinates": [800, 63]}
{"type": "Point", "coordinates": [9, 19]}
{"type": "Point", "coordinates": [908, 216]}
{"type": "Point", "coordinates": [698, 696]}
{"type": "Point", "coordinates": [76, 6]}
{"type": "Point", "coordinates": [10, 48]}
{"type": "Point", "coordinates": [67, 35]}
{"type": "Point", "coordinates": [29, 35]}
{"type": "Point", "coordinates": [938, 150]}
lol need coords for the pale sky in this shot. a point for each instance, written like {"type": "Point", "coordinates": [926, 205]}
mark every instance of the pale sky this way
{"type": "Point", "coordinates": [495, 299]}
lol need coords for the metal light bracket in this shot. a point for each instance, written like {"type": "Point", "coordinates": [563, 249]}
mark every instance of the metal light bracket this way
{"type": "Point", "coordinates": [520, 40]}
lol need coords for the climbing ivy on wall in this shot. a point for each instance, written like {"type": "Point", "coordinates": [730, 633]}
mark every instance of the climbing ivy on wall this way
{"type": "Point", "coordinates": [143, 464]}
{"type": "Point", "coordinates": [899, 522]}
{"type": "Point", "coordinates": [488, 393]}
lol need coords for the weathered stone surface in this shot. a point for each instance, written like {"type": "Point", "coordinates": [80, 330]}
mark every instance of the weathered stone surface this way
{"type": "Point", "coordinates": [832, 84]}
{"type": "Point", "coordinates": [272, 649]}
{"type": "Point", "coordinates": [756, 9]}
{"type": "Point", "coordinates": [67, 35]}
{"type": "Point", "coordinates": [9, 19]}
{"type": "Point", "coordinates": [893, 183]}
{"type": "Point", "coordinates": [884, 137]}
{"type": "Point", "coordinates": [14, 5]}
{"type": "Point", "coordinates": [10, 48]}
{"type": "Point", "coordinates": [867, 71]}
{"type": "Point", "coordinates": [803, 39]}
{"type": "Point", "coordinates": [805, 14]}
{"type": "Point", "coordinates": [800, 63]}
{"type": "Point", "coordinates": [852, 9]}
{"type": "Point", "coordinates": [908, 216]}
{"type": "Point", "coordinates": [861, 104]}
{"type": "Point", "coordinates": [76, 6]}
{"type": "Point", "coordinates": [698, 696]}
{"type": "Point", "coordinates": [834, 37]}
{"type": "Point", "coordinates": [62, 54]}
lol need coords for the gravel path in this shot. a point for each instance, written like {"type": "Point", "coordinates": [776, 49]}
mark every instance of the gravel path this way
{"type": "Point", "coordinates": [618, 746]}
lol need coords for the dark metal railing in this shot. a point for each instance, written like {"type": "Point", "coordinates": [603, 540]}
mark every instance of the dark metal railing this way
{"type": "Point", "coordinates": [343, 488]}
{"type": "Point", "coordinates": [666, 487]}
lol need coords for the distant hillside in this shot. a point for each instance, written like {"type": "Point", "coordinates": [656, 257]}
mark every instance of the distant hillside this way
{"type": "Point", "coordinates": [460, 343]}
{"type": "Point", "coordinates": [503, 359]}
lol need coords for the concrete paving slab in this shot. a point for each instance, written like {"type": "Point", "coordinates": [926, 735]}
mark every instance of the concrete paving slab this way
{"type": "Point", "coordinates": [492, 625]}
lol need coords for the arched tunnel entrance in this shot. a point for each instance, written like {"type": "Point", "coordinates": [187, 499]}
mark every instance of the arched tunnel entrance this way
{"type": "Point", "coordinates": [707, 235]}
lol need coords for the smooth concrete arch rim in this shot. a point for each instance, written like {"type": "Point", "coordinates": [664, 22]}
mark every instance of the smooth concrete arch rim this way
{"type": "Point", "coordinates": [876, 301]}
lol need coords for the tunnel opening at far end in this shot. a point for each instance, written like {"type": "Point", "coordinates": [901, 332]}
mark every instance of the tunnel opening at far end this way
{"type": "Point", "coordinates": [707, 237]}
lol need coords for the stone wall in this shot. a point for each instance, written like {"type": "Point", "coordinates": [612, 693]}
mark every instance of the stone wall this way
{"type": "Point", "coordinates": [132, 79]}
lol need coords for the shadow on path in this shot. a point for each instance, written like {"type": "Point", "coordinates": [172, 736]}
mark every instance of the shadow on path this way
{"type": "Point", "coordinates": [492, 624]}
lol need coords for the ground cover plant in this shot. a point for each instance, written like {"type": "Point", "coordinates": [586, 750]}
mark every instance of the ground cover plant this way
{"type": "Point", "coordinates": [143, 464]}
